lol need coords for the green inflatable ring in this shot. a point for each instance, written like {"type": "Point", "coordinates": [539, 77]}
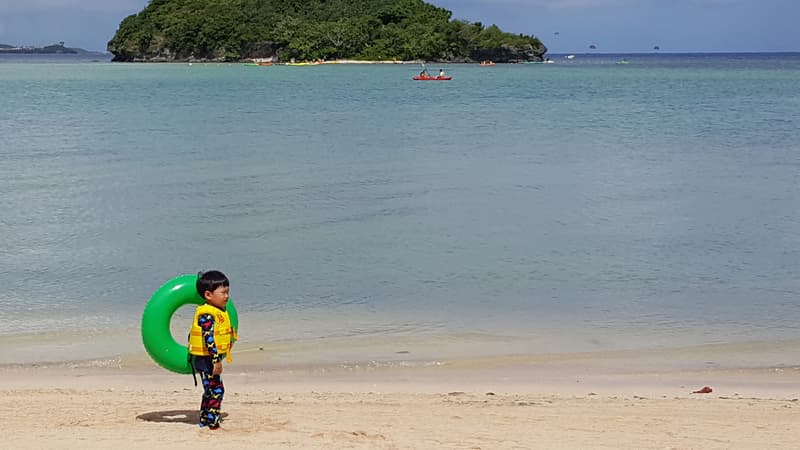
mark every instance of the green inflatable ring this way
{"type": "Point", "coordinates": [158, 312]}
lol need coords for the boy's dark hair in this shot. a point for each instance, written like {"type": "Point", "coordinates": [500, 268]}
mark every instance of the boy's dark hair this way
{"type": "Point", "coordinates": [210, 281]}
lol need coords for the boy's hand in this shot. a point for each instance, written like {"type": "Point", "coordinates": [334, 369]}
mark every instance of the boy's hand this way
{"type": "Point", "coordinates": [217, 368]}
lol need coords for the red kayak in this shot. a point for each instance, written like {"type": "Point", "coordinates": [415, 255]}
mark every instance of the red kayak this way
{"type": "Point", "coordinates": [419, 78]}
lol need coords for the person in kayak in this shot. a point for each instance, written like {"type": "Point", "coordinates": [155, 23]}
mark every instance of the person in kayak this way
{"type": "Point", "coordinates": [441, 73]}
{"type": "Point", "coordinates": [424, 73]}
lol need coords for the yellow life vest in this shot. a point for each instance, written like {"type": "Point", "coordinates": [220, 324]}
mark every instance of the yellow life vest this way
{"type": "Point", "coordinates": [224, 334]}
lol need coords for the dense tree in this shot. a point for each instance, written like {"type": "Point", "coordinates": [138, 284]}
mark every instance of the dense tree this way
{"type": "Point", "coordinates": [230, 30]}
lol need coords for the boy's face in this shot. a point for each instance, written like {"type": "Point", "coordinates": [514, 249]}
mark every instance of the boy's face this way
{"type": "Point", "coordinates": [218, 297]}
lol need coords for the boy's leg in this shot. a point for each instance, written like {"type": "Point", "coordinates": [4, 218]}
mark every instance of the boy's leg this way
{"type": "Point", "coordinates": [213, 391]}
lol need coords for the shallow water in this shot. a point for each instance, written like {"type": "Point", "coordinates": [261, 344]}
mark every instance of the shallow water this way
{"type": "Point", "coordinates": [581, 205]}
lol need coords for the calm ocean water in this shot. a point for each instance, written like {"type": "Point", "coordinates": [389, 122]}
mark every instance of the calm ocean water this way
{"type": "Point", "coordinates": [581, 205]}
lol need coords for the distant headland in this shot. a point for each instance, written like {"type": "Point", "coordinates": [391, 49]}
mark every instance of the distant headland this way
{"type": "Point", "coordinates": [53, 49]}
{"type": "Point", "coordinates": [312, 30]}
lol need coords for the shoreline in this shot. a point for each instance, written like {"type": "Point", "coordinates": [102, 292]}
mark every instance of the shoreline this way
{"type": "Point", "coordinates": [331, 345]}
{"type": "Point", "coordinates": [589, 379]}
{"type": "Point", "coordinates": [765, 368]}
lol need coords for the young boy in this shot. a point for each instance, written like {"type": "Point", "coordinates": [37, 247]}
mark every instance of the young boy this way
{"type": "Point", "coordinates": [210, 339]}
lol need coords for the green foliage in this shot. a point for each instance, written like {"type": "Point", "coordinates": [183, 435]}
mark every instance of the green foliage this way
{"type": "Point", "coordinates": [304, 30]}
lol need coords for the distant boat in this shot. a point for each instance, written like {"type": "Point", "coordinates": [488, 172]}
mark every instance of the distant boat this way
{"type": "Point", "coordinates": [429, 78]}
{"type": "Point", "coordinates": [570, 57]}
{"type": "Point", "coordinates": [260, 62]}
{"type": "Point", "coordinates": [487, 63]}
{"type": "Point", "coordinates": [622, 61]}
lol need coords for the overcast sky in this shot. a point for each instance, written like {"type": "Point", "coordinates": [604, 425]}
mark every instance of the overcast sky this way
{"type": "Point", "coordinates": [565, 26]}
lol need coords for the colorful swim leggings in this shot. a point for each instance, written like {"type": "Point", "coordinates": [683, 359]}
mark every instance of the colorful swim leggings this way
{"type": "Point", "coordinates": [213, 391]}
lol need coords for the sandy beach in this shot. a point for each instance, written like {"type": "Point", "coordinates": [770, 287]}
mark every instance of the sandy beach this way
{"type": "Point", "coordinates": [565, 403]}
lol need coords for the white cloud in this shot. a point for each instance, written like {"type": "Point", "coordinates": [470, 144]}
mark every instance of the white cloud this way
{"type": "Point", "coordinates": [581, 4]}
{"type": "Point", "coordinates": [551, 3]}
{"type": "Point", "coordinates": [42, 6]}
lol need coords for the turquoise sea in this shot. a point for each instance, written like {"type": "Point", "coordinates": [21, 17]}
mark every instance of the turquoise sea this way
{"type": "Point", "coordinates": [580, 206]}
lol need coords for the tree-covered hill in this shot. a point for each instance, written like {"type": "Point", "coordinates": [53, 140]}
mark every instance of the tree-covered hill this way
{"type": "Point", "coordinates": [231, 30]}
{"type": "Point", "coordinates": [49, 49]}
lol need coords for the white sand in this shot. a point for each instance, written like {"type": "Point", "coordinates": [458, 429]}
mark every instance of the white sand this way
{"type": "Point", "coordinates": [559, 403]}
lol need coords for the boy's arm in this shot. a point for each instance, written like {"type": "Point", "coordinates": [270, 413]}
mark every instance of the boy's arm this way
{"type": "Point", "coordinates": [206, 323]}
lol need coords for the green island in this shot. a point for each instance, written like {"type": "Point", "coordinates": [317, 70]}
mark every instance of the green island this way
{"type": "Point", "coordinates": [48, 49]}
{"type": "Point", "coordinates": [309, 30]}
